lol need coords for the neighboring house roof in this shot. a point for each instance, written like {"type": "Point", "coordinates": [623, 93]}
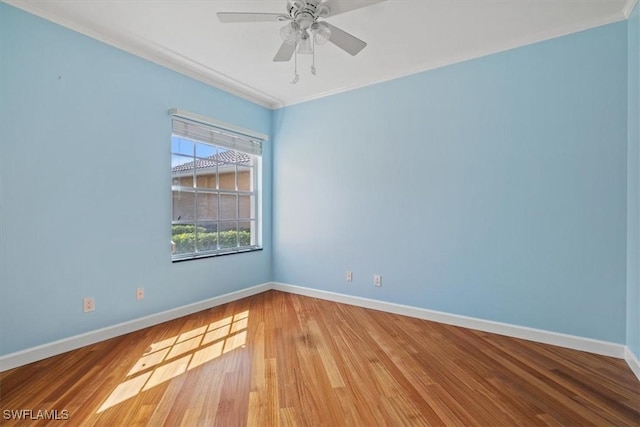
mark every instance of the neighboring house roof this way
{"type": "Point", "coordinates": [222, 158]}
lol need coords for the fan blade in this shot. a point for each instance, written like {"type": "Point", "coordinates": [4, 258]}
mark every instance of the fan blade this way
{"type": "Point", "coordinates": [285, 52]}
{"type": "Point", "coordinates": [345, 41]}
{"type": "Point", "coordinates": [234, 17]}
{"type": "Point", "coordinates": [337, 7]}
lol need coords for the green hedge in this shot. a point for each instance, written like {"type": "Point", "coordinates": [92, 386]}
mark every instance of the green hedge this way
{"type": "Point", "coordinates": [184, 229]}
{"type": "Point", "coordinates": [208, 241]}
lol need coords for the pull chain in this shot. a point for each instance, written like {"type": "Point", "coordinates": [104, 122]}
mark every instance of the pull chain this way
{"type": "Point", "coordinates": [313, 56]}
{"type": "Point", "coordinates": [295, 59]}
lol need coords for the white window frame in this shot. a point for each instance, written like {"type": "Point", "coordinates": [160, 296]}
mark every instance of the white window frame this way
{"type": "Point", "coordinates": [212, 132]}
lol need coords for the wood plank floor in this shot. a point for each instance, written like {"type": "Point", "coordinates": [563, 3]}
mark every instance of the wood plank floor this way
{"type": "Point", "coordinates": [281, 359]}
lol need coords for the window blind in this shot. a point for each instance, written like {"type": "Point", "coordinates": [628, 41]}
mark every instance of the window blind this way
{"type": "Point", "coordinates": [197, 130]}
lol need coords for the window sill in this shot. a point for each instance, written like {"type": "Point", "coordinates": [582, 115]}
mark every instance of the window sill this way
{"type": "Point", "coordinates": [216, 254]}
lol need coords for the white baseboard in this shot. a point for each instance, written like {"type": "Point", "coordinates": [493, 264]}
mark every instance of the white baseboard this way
{"type": "Point", "coordinates": [13, 360]}
{"type": "Point", "coordinates": [40, 352]}
{"type": "Point", "coordinates": [632, 361]}
{"type": "Point", "coordinates": [538, 335]}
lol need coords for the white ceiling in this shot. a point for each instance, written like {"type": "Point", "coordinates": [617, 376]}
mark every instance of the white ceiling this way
{"type": "Point", "coordinates": [403, 36]}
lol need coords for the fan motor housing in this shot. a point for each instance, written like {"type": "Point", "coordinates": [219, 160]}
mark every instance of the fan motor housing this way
{"type": "Point", "coordinates": [307, 12]}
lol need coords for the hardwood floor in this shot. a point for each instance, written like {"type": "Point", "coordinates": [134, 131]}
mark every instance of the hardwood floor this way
{"type": "Point", "coordinates": [282, 359]}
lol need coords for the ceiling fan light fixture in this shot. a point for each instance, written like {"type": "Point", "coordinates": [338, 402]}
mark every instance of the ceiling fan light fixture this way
{"type": "Point", "coordinates": [304, 45]}
{"type": "Point", "coordinates": [321, 33]}
{"type": "Point", "coordinates": [323, 11]}
{"type": "Point", "coordinates": [289, 33]}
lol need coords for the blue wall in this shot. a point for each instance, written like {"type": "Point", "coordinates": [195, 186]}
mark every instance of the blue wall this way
{"type": "Point", "coordinates": [633, 185]}
{"type": "Point", "coordinates": [493, 188]}
{"type": "Point", "coordinates": [85, 176]}
{"type": "Point", "coordinates": [504, 188]}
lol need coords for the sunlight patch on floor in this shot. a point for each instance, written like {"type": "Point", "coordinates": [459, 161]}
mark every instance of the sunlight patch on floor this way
{"type": "Point", "coordinates": [171, 357]}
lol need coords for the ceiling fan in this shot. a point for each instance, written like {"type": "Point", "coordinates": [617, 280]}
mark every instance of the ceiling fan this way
{"type": "Point", "coordinates": [304, 29]}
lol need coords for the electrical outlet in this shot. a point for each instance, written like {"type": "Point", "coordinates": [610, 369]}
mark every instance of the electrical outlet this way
{"type": "Point", "coordinates": [88, 304]}
{"type": "Point", "coordinates": [140, 293]}
{"type": "Point", "coordinates": [349, 276]}
{"type": "Point", "coordinates": [377, 280]}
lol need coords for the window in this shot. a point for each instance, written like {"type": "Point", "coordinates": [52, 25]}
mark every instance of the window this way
{"type": "Point", "coordinates": [214, 186]}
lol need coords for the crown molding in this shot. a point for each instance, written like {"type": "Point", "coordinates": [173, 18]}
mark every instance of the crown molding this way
{"type": "Point", "coordinates": [160, 55]}
{"type": "Point", "coordinates": [505, 45]}
{"type": "Point", "coordinates": [177, 62]}
{"type": "Point", "coordinates": [628, 7]}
